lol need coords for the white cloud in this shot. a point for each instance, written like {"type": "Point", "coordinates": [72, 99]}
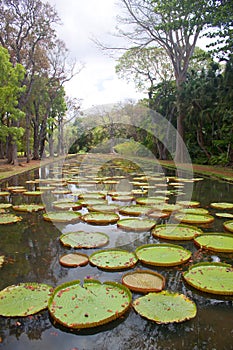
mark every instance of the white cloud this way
{"type": "Point", "coordinates": [82, 20]}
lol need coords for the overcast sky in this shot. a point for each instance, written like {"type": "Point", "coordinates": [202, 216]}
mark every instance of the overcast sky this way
{"type": "Point", "coordinates": [82, 20]}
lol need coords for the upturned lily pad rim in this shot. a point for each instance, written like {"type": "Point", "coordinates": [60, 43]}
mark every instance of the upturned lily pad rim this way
{"type": "Point", "coordinates": [144, 289]}
{"type": "Point", "coordinates": [52, 216]}
{"type": "Point", "coordinates": [132, 263]}
{"type": "Point", "coordinates": [135, 210]}
{"type": "Point", "coordinates": [167, 308]}
{"type": "Point", "coordinates": [205, 288]}
{"type": "Point", "coordinates": [212, 247]}
{"type": "Point", "coordinates": [194, 218]}
{"type": "Point", "coordinates": [222, 205]}
{"type": "Point", "coordinates": [32, 309]}
{"type": "Point", "coordinates": [123, 290]}
{"type": "Point", "coordinates": [163, 245]}
{"type": "Point", "coordinates": [84, 259]}
{"type": "Point", "coordinates": [122, 223]}
{"type": "Point", "coordinates": [104, 208]}
{"type": "Point", "coordinates": [85, 246]}
{"type": "Point", "coordinates": [167, 227]}
{"type": "Point", "coordinates": [228, 225]}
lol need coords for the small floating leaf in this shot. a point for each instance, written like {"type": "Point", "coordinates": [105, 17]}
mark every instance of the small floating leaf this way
{"type": "Point", "coordinates": [74, 260]}
{"type": "Point", "coordinates": [144, 281]}
{"type": "Point", "coordinates": [165, 307]}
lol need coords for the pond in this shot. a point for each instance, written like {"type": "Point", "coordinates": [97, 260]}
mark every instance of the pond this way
{"type": "Point", "coordinates": [32, 250]}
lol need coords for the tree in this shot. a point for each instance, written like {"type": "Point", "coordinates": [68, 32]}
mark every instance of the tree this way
{"type": "Point", "coordinates": [10, 90]}
{"type": "Point", "coordinates": [175, 26]}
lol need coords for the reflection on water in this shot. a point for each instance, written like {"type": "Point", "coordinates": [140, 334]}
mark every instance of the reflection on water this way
{"type": "Point", "coordinates": [32, 250]}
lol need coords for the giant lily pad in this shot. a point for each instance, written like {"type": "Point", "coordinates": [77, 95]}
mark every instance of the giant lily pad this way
{"type": "Point", "coordinates": [9, 219]}
{"type": "Point", "coordinates": [219, 242]}
{"type": "Point", "coordinates": [168, 207]}
{"type": "Point", "coordinates": [5, 205]}
{"type": "Point", "coordinates": [224, 215]}
{"type": "Point", "coordinates": [104, 208]}
{"type": "Point", "coordinates": [194, 219]}
{"type": "Point", "coordinates": [176, 232]}
{"type": "Point", "coordinates": [81, 239]}
{"type": "Point", "coordinates": [138, 225]}
{"type": "Point", "coordinates": [33, 193]}
{"type": "Point", "coordinates": [92, 305]}
{"type": "Point", "coordinates": [149, 201]}
{"type": "Point", "coordinates": [24, 299]}
{"type": "Point", "coordinates": [228, 225]}
{"type": "Point", "coordinates": [222, 205]}
{"type": "Point", "coordinates": [4, 193]}
{"type": "Point", "coordinates": [28, 207]}
{"type": "Point", "coordinates": [113, 259]}
{"type": "Point", "coordinates": [65, 216]}
{"type": "Point", "coordinates": [135, 210]}
{"type": "Point", "coordinates": [122, 198]}
{"type": "Point", "coordinates": [92, 201]}
{"type": "Point", "coordinates": [91, 195]}
{"type": "Point", "coordinates": [196, 211]}
{"type": "Point", "coordinates": [67, 206]}
{"type": "Point", "coordinates": [165, 307]}
{"type": "Point", "coordinates": [144, 281]}
{"type": "Point", "coordinates": [190, 204]}
{"type": "Point", "coordinates": [99, 218]}
{"type": "Point", "coordinates": [211, 277]}
{"type": "Point", "coordinates": [162, 254]}
{"type": "Point", "coordinates": [74, 260]}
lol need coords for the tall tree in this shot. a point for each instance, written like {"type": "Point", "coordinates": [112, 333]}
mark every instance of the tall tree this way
{"type": "Point", "coordinates": [175, 26]}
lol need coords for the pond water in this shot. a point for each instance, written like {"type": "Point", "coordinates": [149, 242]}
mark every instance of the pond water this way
{"type": "Point", "coordinates": [32, 250]}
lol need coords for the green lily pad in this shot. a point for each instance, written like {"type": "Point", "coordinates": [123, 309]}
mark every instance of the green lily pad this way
{"type": "Point", "coordinates": [165, 307]}
{"type": "Point", "coordinates": [135, 210]}
{"type": "Point", "coordinates": [91, 195]}
{"type": "Point", "coordinates": [2, 258]}
{"type": "Point", "coordinates": [24, 299]}
{"type": "Point", "coordinates": [9, 219]}
{"type": "Point", "coordinates": [81, 239]}
{"type": "Point", "coordinates": [33, 193]}
{"type": "Point", "coordinates": [224, 215]}
{"type": "Point", "coordinates": [98, 218]}
{"type": "Point", "coordinates": [168, 207]}
{"type": "Point", "coordinates": [61, 191]}
{"type": "Point", "coordinates": [196, 211]}
{"type": "Point", "coordinates": [4, 193]}
{"type": "Point", "coordinates": [219, 242]}
{"type": "Point", "coordinates": [113, 259]}
{"type": "Point", "coordinates": [228, 225]}
{"type": "Point", "coordinates": [104, 208]}
{"type": "Point", "coordinates": [144, 281]}
{"type": "Point", "coordinates": [122, 198]}
{"type": "Point", "coordinates": [74, 260]}
{"type": "Point", "coordinates": [157, 214]}
{"type": "Point", "coordinates": [28, 207]}
{"type": "Point", "coordinates": [176, 232]}
{"type": "Point", "coordinates": [191, 204]}
{"type": "Point", "coordinates": [5, 205]}
{"type": "Point", "coordinates": [149, 201]}
{"type": "Point", "coordinates": [222, 205]}
{"type": "Point", "coordinates": [194, 219]}
{"type": "Point", "coordinates": [137, 225]}
{"type": "Point", "coordinates": [211, 277]}
{"type": "Point", "coordinates": [90, 305]}
{"type": "Point", "coordinates": [91, 202]}
{"type": "Point", "coordinates": [65, 216]}
{"type": "Point", "coordinates": [67, 206]}
{"type": "Point", "coordinates": [162, 254]}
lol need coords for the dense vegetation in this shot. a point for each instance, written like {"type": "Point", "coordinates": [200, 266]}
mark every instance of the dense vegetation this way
{"type": "Point", "coordinates": [192, 89]}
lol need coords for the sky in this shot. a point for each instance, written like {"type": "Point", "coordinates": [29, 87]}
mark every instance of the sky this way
{"type": "Point", "coordinates": [97, 83]}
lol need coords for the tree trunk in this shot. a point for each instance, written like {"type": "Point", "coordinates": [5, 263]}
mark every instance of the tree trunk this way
{"type": "Point", "coordinates": [51, 146]}
{"type": "Point", "coordinates": [180, 151]}
{"type": "Point", "coordinates": [36, 141]}
{"type": "Point", "coordinates": [28, 138]}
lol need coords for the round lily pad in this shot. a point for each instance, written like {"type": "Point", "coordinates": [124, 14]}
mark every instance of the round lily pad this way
{"type": "Point", "coordinates": [24, 299]}
{"type": "Point", "coordinates": [5, 205]}
{"type": "Point", "coordinates": [90, 305]}
{"type": "Point", "coordinates": [168, 207]}
{"type": "Point", "coordinates": [104, 208]}
{"type": "Point", "coordinates": [222, 205]}
{"type": "Point", "coordinates": [194, 219]}
{"type": "Point", "coordinates": [4, 193]}
{"type": "Point", "coordinates": [122, 198]}
{"type": "Point", "coordinates": [144, 281]}
{"type": "Point", "coordinates": [98, 218]}
{"type": "Point", "coordinates": [211, 277]}
{"type": "Point", "coordinates": [113, 259]}
{"type": "Point", "coordinates": [74, 260]}
{"type": "Point", "coordinates": [28, 207]}
{"type": "Point", "coordinates": [135, 210]}
{"type": "Point", "coordinates": [176, 232]}
{"type": "Point", "coordinates": [191, 204]}
{"type": "Point", "coordinates": [149, 201]}
{"type": "Point", "coordinates": [224, 215]}
{"type": "Point", "coordinates": [228, 225]}
{"type": "Point", "coordinates": [32, 193]}
{"type": "Point", "coordinates": [81, 239]}
{"type": "Point", "coordinates": [91, 202]}
{"type": "Point", "coordinates": [65, 216]}
{"type": "Point", "coordinates": [67, 206]}
{"type": "Point", "coordinates": [157, 214]}
{"type": "Point", "coordinates": [196, 211]}
{"type": "Point", "coordinates": [219, 242]}
{"type": "Point", "coordinates": [162, 254]}
{"type": "Point", "coordinates": [61, 191]}
{"type": "Point", "coordinates": [91, 195]}
{"type": "Point", "coordinates": [138, 225]}
{"type": "Point", "coordinates": [9, 219]}
{"type": "Point", "coordinates": [165, 307]}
